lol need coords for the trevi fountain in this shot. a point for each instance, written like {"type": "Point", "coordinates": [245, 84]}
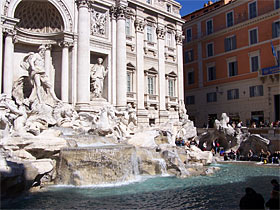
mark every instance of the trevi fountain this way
{"type": "Point", "coordinates": [47, 147]}
{"type": "Point", "coordinates": [79, 140]}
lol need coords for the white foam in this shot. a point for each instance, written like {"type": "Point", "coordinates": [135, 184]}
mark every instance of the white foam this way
{"type": "Point", "coordinates": [138, 179]}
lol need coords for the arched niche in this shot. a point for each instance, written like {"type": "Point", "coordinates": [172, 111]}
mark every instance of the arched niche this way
{"type": "Point", "coordinates": [38, 17]}
{"type": "Point", "coordinates": [10, 8]}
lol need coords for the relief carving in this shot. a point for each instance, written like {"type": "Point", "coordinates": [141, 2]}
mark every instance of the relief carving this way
{"type": "Point", "coordinates": [98, 22]}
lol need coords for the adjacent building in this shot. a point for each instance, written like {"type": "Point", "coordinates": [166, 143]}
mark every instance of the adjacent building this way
{"type": "Point", "coordinates": [140, 42]}
{"type": "Point", "coordinates": [231, 61]}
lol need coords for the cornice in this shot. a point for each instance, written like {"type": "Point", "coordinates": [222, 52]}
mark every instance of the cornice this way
{"type": "Point", "coordinates": [155, 10]}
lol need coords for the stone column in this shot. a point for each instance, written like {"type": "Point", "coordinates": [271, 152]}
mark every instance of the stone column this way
{"type": "Point", "coordinates": [48, 60]}
{"type": "Point", "coordinates": [121, 58]}
{"type": "Point", "coordinates": [8, 62]}
{"type": "Point", "coordinates": [1, 49]}
{"type": "Point", "coordinates": [140, 79]}
{"type": "Point", "coordinates": [163, 114]}
{"type": "Point", "coordinates": [83, 60]}
{"type": "Point", "coordinates": [113, 11]}
{"type": "Point", "coordinates": [65, 71]}
{"type": "Point", "coordinates": [180, 85]}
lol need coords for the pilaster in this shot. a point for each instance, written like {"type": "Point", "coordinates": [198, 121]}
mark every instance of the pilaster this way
{"type": "Point", "coordinates": [163, 114]}
{"type": "Point", "coordinates": [141, 111]}
{"type": "Point", "coordinates": [180, 86]}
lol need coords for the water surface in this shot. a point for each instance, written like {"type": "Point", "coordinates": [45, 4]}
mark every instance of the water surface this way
{"type": "Point", "coordinates": [222, 190]}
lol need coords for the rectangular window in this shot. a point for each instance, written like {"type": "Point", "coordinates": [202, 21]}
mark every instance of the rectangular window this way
{"type": "Point", "coordinates": [189, 56]}
{"type": "Point", "coordinates": [232, 69]}
{"type": "Point", "coordinates": [171, 87]}
{"type": "Point", "coordinates": [189, 35]}
{"type": "Point", "coordinates": [253, 36]}
{"type": "Point", "coordinates": [254, 63]}
{"type": "Point", "coordinates": [276, 29]}
{"type": "Point", "coordinates": [230, 43]}
{"type": "Point", "coordinates": [127, 27]}
{"type": "Point", "coordinates": [256, 91]}
{"type": "Point", "coordinates": [277, 4]}
{"type": "Point", "coordinates": [190, 100]}
{"type": "Point", "coordinates": [211, 73]}
{"type": "Point", "coordinates": [169, 39]}
{"type": "Point", "coordinates": [149, 33]}
{"type": "Point", "coordinates": [190, 77]}
{"type": "Point", "coordinates": [149, 1]}
{"type": "Point", "coordinates": [233, 94]}
{"type": "Point", "coordinates": [212, 97]}
{"type": "Point", "coordinates": [129, 82]}
{"type": "Point", "coordinates": [229, 19]}
{"type": "Point", "coordinates": [252, 10]}
{"type": "Point", "coordinates": [209, 27]}
{"type": "Point", "coordinates": [151, 81]}
{"type": "Point", "coordinates": [210, 50]}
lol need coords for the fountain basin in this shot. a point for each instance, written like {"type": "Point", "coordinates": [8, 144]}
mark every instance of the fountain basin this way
{"type": "Point", "coordinates": [97, 165]}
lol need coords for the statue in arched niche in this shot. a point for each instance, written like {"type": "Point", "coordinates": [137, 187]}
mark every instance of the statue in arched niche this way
{"type": "Point", "coordinates": [42, 90]}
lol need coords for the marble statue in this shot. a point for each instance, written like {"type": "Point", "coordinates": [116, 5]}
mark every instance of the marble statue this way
{"type": "Point", "coordinates": [131, 115]}
{"type": "Point", "coordinates": [34, 63]}
{"type": "Point", "coordinates": [97, 76]}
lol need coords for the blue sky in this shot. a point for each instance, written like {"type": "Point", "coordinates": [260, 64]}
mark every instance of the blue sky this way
{"type": "Point", "coordinates": [189, 6]}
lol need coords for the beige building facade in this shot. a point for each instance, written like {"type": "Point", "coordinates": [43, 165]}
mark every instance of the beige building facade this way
{"type": "Point", "coordinates": [139, 41]}
{"type": "Point", "coordinates": [228, 62]}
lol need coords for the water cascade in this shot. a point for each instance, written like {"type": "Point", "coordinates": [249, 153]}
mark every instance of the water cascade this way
{"type": "Point", "coordinates": [97, 165]}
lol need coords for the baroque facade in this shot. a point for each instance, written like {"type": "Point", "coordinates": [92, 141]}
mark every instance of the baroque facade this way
{"type": "Point", "coordinates": [137, 42]}
{"type": "Point", "coordinates": [228, 61]}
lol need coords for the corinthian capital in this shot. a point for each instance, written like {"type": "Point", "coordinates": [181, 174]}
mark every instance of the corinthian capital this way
{"type": "Point", "coordinates": [83, 3]}
{"type": "Point", "coordinates": [179, 38]}
{"type": "Point", "coordinates": [9, 32]}
{"type": "Point", "coordinates": [161, 32]}
{"type": "Point", "coordinates": [113, 12]}
{"type": "Point", "coordinates": [121, 12]}
{"type": "Point", "coordinates": [65, 44]}
{"type": "Point", "coordinates": [139, 25]}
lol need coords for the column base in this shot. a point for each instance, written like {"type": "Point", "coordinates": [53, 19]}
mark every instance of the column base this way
{"type": "Point", "coordinates": [93, 106]}
{"type": "Point", "coordinates": [163, 116]}
{"type": "Point", "coordinates": [142, 117]}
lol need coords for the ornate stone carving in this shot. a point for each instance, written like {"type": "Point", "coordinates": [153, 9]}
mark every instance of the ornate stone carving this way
{"type": "Point", "coordinates": [160, 32]}
{"type": "Point", "coordinates": [83, 3]}
{"type": "Point", "coordinates": [65, 44]}
{"type": "Point", "coordinates": [179, 38]}
{"type": "Point", "coordinates": [121, 12]}
{"type": "Point", "coordinates": [113, 12]}
{"type": "Point", "coordinates": [139, 25]}
{"type": "Point", "coordinates": [98, 22]}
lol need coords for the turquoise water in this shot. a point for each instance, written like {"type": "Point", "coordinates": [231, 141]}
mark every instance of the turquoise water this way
{"type": "Point", "coordinates": [222, 190]}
